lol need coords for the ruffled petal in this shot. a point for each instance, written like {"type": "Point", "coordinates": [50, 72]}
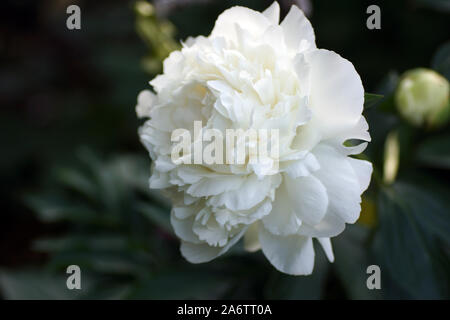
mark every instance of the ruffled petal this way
{"type": "Point", "coordinates": [211, 186]}
{"type": "Point", "coordinates": [199, 253]}
{"type": "Point", "coordinates": [252, 192]}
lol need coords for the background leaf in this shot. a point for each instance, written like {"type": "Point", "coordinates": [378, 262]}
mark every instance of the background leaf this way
{"type": "Point", "coordinates": [406, 248]}
{"type": "Point", "coordinates": [441, 59]}
{"type": "Point", "coordinates": [371, 100]}
{"type": "Point", "coordinates": [435, 152]}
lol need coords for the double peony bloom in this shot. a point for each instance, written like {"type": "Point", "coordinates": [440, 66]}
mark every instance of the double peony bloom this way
{"type": "Point", "coordinates": [253, 72]}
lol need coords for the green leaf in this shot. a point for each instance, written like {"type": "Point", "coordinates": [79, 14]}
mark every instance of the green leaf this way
{"type": "Point", "coordinates": [371, 100]}
{"type": "Point", "coordinates": [429, 206]}
{"type": "Point", "coordinates": [282, 286]}
{"type": "Point", "coordinates": [435, 152]}
{"type": "Point", "coordinates": [78, 181]}
{"type": "Point", "coordinates": [185, 284]}
{"type": "Point", "coordinates": [388, 84]}
{"type": "Point", "coordinates": [351, 261]}
{"type": "Point", "coordinates": [111, 263]}
{"type": "Point", "coordinates": [132, 170]}
{"type": "Point", "coordinates": [405, 245]}
{"type": "Point", "coordinates": [56, 209]}
{"type": "Point", "coordinates": [441, 60]}
{"type": "Point", "coordinates": [97, 242]}
{"type": "Point", "coordinates": [35, 285]}
{"type": "Point", "coordinates": [438, 5]}
{"type": "Point", "coordinates": [160, 217]}
{"type": "Point", "coordinates": [109, 291]}
{"type": "Point", "coordinates": [40, 284]}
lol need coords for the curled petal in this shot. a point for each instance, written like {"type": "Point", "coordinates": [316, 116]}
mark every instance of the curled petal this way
{"type": "Point", "coordinates": [293, 254]}
{"type": "Point", "coordinates": [363, 170]}
{"type": "Point", "coordinates": [183, 228]}
{"type": "Point", "coordinates": [336, 94]}
{"type": "Point", "coordinates": [308, 198]}
{"type": "Point", "coordinates": [330, 226]}
{"type": "Point", "coordinates": [252, 21]}
{"type": "Point", "coordinates": [298, 31]}
{"type": "Point", "coordinates": [326, 245]}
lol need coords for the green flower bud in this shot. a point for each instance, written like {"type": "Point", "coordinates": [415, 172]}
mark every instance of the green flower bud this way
{"type": "Point", "coordinates": [422, 98]}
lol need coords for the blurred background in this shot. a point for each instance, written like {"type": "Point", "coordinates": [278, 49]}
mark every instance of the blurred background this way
{"type": "Point", "coordinates": [74, 174]}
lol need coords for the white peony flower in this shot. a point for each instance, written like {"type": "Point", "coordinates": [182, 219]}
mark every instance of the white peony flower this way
{"type": "Point", "coordinates": [253, 73]}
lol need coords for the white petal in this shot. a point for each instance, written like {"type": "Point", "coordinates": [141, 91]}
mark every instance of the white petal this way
{"type": "Point", "coordinates": [265, 89]}
{"type": "Point", "coordinates": [359, 131]}
{"type": "Point", "coordinates": [215, 185]}
{"type": "Point", "coordinates": [292, 254]}
{"type": "Point", "coordinates": [282, 219]}
{"type": "Point", "coordinates": [233, 218]}
{"type": "Point", "coordinates": [249, 20]}
{"type": "Point", "coordinates": [183, 228]}
{"type": "Point", "coordinates": [250, 193]}
{"type": "Point", "coordinates": [298, 31]}
{"type": "Point", "coordinates": [303, 167]}
{"type": "Point", "coordinates": [164, 163]}
{"type": "Point", "coordinates": [341, 182]}
{"type": "Point", "coordinates": [251, 241]}
{"type": "Point", "coordinates": [336, 94]}
{"type": "Point", "coordinates": [146, 100]}
{"type": "Point", "coordinates": [330, 226]}
{"type": "Point", "coordinates": [192, 174]}
{"type": "Point", "coordinates": [273, 13]}
{"type": "Point", "coordinates": [159, 180]}
{"type": "Point", "coordinates": [308, 136]}
{"type": "Point", "coordinates": [302, 68]}
{"type": "Point", "coordinates": [308, 197]}
{"type": "Point", "coordinates": [327, 248]}
{"type": "Point", "coordinates": [363, 170]}
{"type": "Point", "coordinates": [199, 253]}
{"type": "Point", "coordinates": [357, 149]}
{"type": "Point", "coordinates": [185, 212]}
{"type": "Point", "coordinates": [156, 141]}
{"type": "Point", "coordinates": [210, 231]}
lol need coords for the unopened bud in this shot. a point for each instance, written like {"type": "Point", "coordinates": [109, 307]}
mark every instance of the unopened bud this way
{"type": "Point", "coordinates": [422, 98]}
